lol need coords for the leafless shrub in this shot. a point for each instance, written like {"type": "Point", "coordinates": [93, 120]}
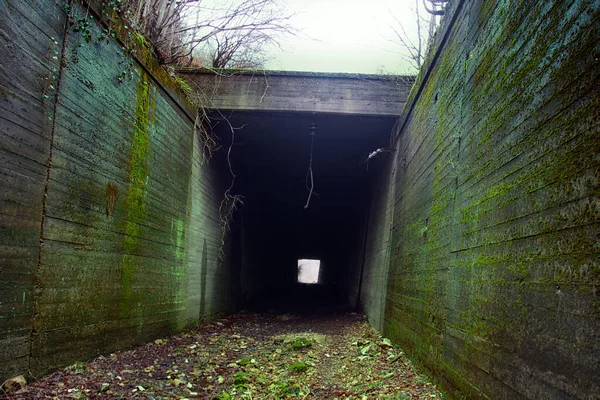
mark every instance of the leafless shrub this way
{"type": "Point", "coordinates": [236, 50]}
{"type": "Point", "coordinates": [415, 46]}
{"type": "Point", "coordinates": [232, 30]}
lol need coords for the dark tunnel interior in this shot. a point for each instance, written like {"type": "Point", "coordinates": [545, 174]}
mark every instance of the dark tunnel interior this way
{"type": "Point", "coordinates": [272, 230]}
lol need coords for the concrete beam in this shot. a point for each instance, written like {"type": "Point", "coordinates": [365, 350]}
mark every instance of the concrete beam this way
{"type": "Point", "coordinates": [356, 94]}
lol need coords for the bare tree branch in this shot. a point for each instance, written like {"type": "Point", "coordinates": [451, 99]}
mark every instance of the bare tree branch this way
{"type": "Point", "coordinates": [415, 46]}
{"type": "Point", "coordinates": [230, 202]}
{"type": "Point", "coordinates": [177, 27]}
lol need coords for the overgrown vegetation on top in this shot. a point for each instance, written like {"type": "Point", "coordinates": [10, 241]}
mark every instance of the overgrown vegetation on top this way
{"type": "Point", "coordinates": [210, 33]}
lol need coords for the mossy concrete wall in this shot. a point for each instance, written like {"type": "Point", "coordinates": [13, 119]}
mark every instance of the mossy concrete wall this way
{"type": "Point", "coordinates": [493, 280]}
{"type": "Point", "coordinates": [108, 214]}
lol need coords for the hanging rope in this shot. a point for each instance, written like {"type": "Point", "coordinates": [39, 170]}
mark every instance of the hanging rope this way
{"type": "Point", "coordinates": [309, 173]}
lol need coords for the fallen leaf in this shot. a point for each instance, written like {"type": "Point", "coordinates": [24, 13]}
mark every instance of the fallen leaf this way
{"type": "Point", "coordinates": [14, 384]}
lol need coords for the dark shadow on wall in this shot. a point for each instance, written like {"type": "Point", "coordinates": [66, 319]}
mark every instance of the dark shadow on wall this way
{"type": "Point", "coordinates": [203, 272]}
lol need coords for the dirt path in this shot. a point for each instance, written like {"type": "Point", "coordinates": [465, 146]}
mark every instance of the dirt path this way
{"type": "Point", "coordinates": [249, 356]}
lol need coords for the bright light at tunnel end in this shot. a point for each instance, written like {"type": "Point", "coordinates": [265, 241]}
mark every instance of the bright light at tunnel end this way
{"type": "Point", "coordinates": [308, 271]}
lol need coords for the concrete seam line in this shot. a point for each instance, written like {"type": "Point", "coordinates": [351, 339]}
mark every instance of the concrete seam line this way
{"type": "Point", "coordinates": [36, 275]}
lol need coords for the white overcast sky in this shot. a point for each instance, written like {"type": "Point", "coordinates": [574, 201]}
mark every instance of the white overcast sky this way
{"type": "Point", "coordinates": [345, 36]}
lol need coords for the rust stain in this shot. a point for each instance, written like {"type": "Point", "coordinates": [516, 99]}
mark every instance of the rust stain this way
{"type": "Point", "coordinates": [112, 193]}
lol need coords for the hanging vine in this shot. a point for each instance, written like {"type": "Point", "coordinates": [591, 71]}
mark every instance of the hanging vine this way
{"type": "Point", "coordinates": [309, 173]}
{"type": "Point", "coordinates": [230, 202]}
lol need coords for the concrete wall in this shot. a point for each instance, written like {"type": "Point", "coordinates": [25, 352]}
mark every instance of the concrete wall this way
{"type": "Point", "coordinates": [373, 290]}
{"type": "Point", "coordinates": [109, 218]}
{"type": "Point", "coordinates": [493, 281]}
{"type": "Point", "coordinates": [289, 91]}
{"type": "Point", "coordinates": [28, 73]}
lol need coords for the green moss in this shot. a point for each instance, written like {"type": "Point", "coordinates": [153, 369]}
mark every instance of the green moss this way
{"type": "Point", "coordinates": [135, 198]}
{"type": "Point", "coordinates": [520, 270]}
{"type": "Point", "coordinates": [179, 244]}
{"type": "Point", "coordinates": [138, 45]}
{"type": "Point", "coordinates": [298, 367]}
{"type": "Point", "coordinates": [140, 40]}
{"type": "Point", "coordinates": [244, 361]}
{"type": "Point", "coordinates": [184, 85]}
{"type": "Point", "coordinates": [300, 343]}
{"type": "Point", "coordinates": [241, 378]}
{"type": "Point", "coordinates": [526, 184]}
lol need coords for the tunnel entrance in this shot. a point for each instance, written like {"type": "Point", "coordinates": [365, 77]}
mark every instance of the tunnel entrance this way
{"type": "Point", "coordinates": [276, 227]}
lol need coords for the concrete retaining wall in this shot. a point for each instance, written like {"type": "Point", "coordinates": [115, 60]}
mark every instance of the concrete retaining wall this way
{"type": "Point", "coordinates": [493, 280]}
{"type": "Point", "coordinates": [374, 283]}
{"type": "Point", "coordinates": [109, 217]}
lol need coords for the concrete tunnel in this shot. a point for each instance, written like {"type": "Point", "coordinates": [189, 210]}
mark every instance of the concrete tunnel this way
{"type": "Point", "coordinates": [481, 251]}
{"type": "Point", "coordinates": [278, 225]}
{"type": "Point", "coordinates": [273, 117]}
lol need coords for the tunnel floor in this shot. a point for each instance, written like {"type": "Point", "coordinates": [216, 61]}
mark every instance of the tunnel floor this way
{"type": "Point", "coordinates": [250, 356]}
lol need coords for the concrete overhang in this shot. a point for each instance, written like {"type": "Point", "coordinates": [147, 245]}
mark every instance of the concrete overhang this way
{"type": "Point", "coordinates": [306, 92]}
